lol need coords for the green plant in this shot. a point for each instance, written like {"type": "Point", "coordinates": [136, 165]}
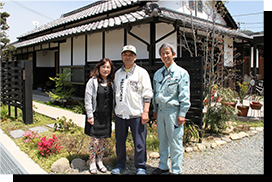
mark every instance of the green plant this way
{"type": "Point", "coordinates": [65, 126]}
{"type": "Point", "coordinates": [4, 111]}
{"type": "Point", "coordinates": [257, 98]}
{"type": "Point", "coordinates": [244, 89]}
{"type": "Point", "coordinates": [216, 117]}
{"type": "Point", "coordinates": [36, 118]}
{"type": "Point", "coordinates": [191, 132]}
{"type": "Point", "coordinates": [227, 94]}
{"type": "Point", "coordinates": [79, 108]}
{"type": "Point", "coordinates": [64, 87]}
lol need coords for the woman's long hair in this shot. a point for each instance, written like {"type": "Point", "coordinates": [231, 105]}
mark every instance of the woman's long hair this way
{"type": "Point", "coordinates": [96, 73]}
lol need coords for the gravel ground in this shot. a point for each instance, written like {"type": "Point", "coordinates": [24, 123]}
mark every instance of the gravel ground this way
{"type": "Point", "coordinates": [244, 156]}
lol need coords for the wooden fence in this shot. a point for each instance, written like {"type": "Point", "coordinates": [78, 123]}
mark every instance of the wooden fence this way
{"type": "Point", "coordinates": [16, 87]}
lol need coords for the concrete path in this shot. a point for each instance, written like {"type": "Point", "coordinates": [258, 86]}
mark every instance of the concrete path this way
{"type": "Point", "coordinates": [53, 112]}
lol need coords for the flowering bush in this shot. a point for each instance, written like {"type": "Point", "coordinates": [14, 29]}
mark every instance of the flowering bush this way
{"type": "Point", "coordinates": [31, 138]}
{"type": "Point", "coordinates": [47, 147]}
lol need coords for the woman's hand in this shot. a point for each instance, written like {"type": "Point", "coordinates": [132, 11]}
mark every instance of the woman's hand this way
{"type": "Point", "coordinates": [91, 121]}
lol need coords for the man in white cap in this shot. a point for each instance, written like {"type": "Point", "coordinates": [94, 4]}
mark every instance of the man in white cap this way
{"type": "Point", "coordinates": [133, 93]}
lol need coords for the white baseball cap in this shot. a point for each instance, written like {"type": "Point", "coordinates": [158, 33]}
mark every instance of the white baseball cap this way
{"type": "Point", "coordinates": [129, 48]}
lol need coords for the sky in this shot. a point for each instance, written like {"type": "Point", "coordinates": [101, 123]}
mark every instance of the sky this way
{"type": "Point", "coordinates": [22, 13]}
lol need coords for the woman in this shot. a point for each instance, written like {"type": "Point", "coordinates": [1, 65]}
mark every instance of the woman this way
{"type": "Point", "coordinates": [99, 105]}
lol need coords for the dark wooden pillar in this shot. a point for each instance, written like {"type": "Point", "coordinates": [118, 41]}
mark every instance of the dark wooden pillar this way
{"type": "Point", "coordinates": [27, 91]}
{"type": "Point", "coordinates": [152, 44]}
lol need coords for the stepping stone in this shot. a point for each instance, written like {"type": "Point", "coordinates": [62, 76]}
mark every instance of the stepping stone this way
{"type": "Point", "coordinates": [52, 126]}
{"type": "Point", "coordinates": [220, 142]}
{"type": "Point", "coordinates": [39, 129]}
{"type": "Point", "coordinates": [17, 133]}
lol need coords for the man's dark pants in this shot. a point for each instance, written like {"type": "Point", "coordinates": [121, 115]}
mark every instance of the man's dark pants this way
{"type": "Point", "coordinates": [139, 137]}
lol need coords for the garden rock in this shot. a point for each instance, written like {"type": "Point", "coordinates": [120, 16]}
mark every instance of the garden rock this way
{"type": "Point", "coordinates": [243, 134]}
{"type": "Point", "coordinates": [213, 145]}
{"type": "Point", "coordinates": [251, 133]}
{"type": "Point", "coordinates": [259, 129]}
{"type": "Point", "coordinates": [78, 163]}
{"type": "Point", "coordinates": [154, 155]}
{"type": "Point", "coordinates": [108, 160]}
{"type": "Point", "coordinates": [201, 146]}
{"type": "Point", "coordinates": [207, 145]}
{"type": "Point", "coordinates": [60, 166]}
{"type": "Point", "coordinates": [235, 136]}
{"type": "Point", "coordinates": [220, 142]}
{"type": "Point", "coordinates": [228, 130]}
{"type": "Point", "coordinates": [210, 138]}
{"type": "Point", "coordinates": [188, 149]}
{"type": "Point", "coordinates": [195, 148]}
{"type": "Point", "coordinates": [226, 139]}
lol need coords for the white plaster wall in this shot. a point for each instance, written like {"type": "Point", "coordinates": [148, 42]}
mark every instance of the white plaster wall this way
{"type": "Point", "coordinates": [179, 6]}
{"type": "Point", "coordinates": [182, 6]}
{"type": "Point", "coordinates": [65, 53]}
{"type": "Point", "coordinates": [143, 32]}
{"type": "Point", "coordinates": [45, 58]}
{"type": "Point", "coordinates": [114, 43]}
{"type": "Point", "coordinates": [94, 47]}
{"type": "Point", "coordinates": [161, 30]}
{"type": "Point", "coordinates": [228, 51]}
{"type": "Point", "coordinates": [79, 50]}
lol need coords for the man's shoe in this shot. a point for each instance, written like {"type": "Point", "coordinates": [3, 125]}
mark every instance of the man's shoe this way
{"type": "Point", "coordinates": [159, 171]}
{"type": "Point", "coordinates": [140, 171]}
{"type": "Point", "coordinates": [117, 170]}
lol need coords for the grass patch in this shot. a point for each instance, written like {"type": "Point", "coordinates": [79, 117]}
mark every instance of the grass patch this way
{"type": "Point", "coordinates": [251, 123]}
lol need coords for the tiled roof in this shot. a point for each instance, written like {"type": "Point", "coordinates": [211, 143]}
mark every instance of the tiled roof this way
{"type": "Point", "coordinates": [132, 17]}
{"type": "Point", "coordinates": [82, 13]}
{"type": "Point", "coordinates": [94, 26]}
{"type": "Point", "coordinates": [200, 24]}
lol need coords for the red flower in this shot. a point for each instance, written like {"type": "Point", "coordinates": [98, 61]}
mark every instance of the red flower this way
{"type": "Point", "coordinates": [47, 147]}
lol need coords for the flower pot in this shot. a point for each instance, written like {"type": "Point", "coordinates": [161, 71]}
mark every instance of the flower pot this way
{"type": "Point", "coordinates": [243, 110]}
{"type": "Point", "coordinates": [233, 104]}
{"type": "Point", "coordinates": [256, 105]}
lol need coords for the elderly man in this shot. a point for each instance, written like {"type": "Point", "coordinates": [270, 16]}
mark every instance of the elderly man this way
{"type": "Point", "coordinates": [133, 93]}
{"type": "Point", "coordinates": [171, 102]}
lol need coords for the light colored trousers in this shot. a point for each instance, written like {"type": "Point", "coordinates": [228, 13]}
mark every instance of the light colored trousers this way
{"type": "Point", "coordinates": [170, 137]}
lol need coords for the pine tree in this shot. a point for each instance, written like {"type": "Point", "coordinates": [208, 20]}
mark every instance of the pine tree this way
{"type": "Point", "coordinates": [4, 40]}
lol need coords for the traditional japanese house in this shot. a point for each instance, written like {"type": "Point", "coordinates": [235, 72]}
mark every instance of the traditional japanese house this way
{"type": "Point", "coordinates": [80, 38]}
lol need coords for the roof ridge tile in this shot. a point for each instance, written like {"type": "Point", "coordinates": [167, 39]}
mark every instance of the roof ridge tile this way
{"type": "Point", "coordinates": [90, 10]}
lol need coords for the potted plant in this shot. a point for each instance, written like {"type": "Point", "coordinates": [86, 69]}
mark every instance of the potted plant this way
{"type": "Point", "coordinates": [227, 96]}
{"type": "Point", "coordinates": [256, 103]}
{"type": "Point", "coordinates": [244, 88]}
